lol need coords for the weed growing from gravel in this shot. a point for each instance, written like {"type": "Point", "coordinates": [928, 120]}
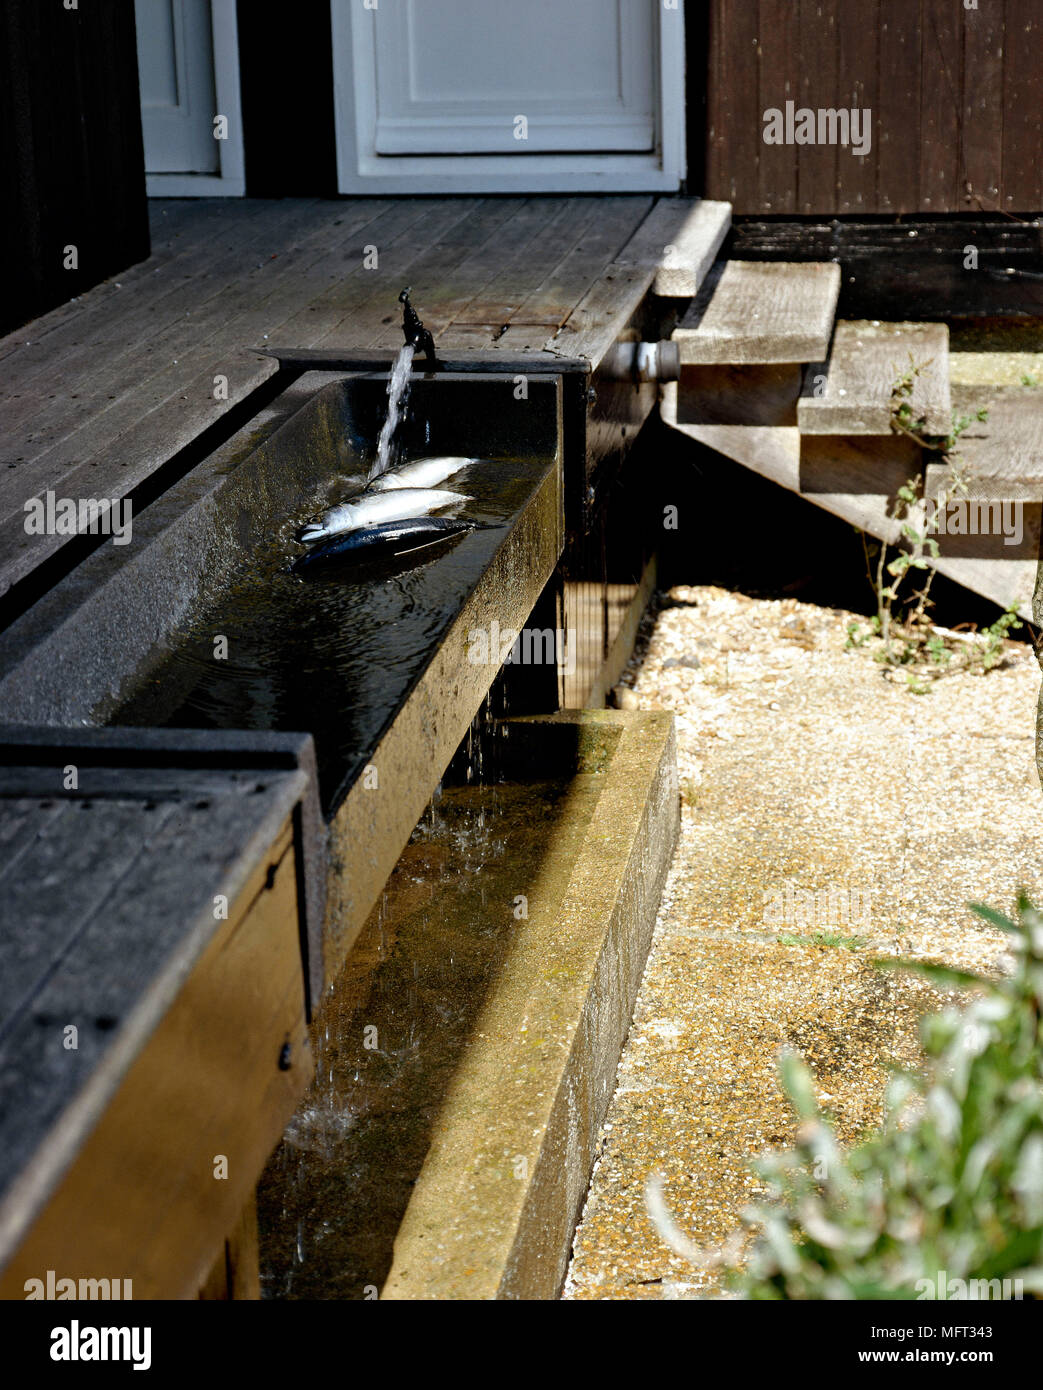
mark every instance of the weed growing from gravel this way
{"type": "Point", "coordinates": [906, 642]}
{"type": "Point", "coordinates": [822, 938]}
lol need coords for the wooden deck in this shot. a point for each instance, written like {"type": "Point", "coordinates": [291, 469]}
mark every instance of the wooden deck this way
{"type": "Point", "coordinates": [101, 392]}
{"type": "Point", "coordinates": [142, 1026]}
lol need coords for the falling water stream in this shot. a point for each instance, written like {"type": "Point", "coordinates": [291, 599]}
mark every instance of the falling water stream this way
{"type": "Point", "coordinates": [398, 393]}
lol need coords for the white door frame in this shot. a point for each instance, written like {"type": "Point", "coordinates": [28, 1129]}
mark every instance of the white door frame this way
{"type": "Point", "coordinates": [361, 170]}
{"type": "Point", "coordinates": [231, 181]}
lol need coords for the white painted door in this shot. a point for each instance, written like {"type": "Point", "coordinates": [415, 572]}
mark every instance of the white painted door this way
{"type": "Point", "coordinates": [176, 76]}
{"type": "Point", "coordinates": [508, 95]}
{"type": "Point", "coordinates": [188, 74]}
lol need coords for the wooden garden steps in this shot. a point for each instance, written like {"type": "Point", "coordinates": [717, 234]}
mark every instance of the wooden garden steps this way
{"type": "Point", "coordinates": [851, 393]}
{"type": "Point", "coordinates": [759, 349]}
{"type": "Point", "coordinates": [769, 380]}
{"type": "Point", "coordinates": [1000, 573]}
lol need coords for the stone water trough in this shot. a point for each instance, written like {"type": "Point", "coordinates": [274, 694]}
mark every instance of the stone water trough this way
{"type": "Point", "coordinates": [210, 770]}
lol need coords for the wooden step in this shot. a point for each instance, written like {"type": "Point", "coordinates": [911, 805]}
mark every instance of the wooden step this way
{"type": "Point", "coordinates": [754, 312]}
{"type": "Point", "coordinates": [989, 499]}
{"type": "Point", "coordinates": [852, 393]}
{"type": "Point", "coordinates": [1002, 456]}
{"type": "Point", "coordinates": [987, 518]}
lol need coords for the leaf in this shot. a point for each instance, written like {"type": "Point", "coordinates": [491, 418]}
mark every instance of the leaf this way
{"type": "Point", "coordinates": [996, 918]}
{"type": "Point", "coordinates": [1023, 1249]}
{"type": "Point", "coordinates": [945, 976]}
{"type": "Point", "coordinates": [798, 1084]}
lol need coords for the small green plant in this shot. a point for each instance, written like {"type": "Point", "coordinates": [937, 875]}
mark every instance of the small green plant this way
{"type": "Point", "coordinates": [689, 791]}
{"type": "Point", "coordinates": [904, 422]}
{"type": "Point", "coordinates": [990, 653]}
{"type": "Point", "coordinates": [1027, 379]}
{"type": "Point", "coordinates": [822, 938]}
{"type": "Point", "coordinates": [910, 645]}
{"type": "Point", "coordinates": [948, 1193]}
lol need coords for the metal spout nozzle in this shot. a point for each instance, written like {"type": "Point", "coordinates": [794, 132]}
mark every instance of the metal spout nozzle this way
{"type": "Point", "coordinates": [414, 331]}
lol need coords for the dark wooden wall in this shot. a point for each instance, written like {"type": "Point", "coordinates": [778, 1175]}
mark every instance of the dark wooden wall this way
{"type": "Point", "coordinates": [956, 96]}
{"type": "Point", "coordinates": [72, 167]}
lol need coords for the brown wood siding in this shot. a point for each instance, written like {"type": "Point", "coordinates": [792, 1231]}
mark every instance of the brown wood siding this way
{"type": "Point", "coordinates": [956, 97]}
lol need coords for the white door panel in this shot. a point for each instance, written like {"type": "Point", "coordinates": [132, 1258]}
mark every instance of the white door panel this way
{"type": "Point", "coordinates": [176, 75]}
{"type": "Point", "coordinates": [452, 78]}
{"type": "Point", "coordinates": [428, 93]}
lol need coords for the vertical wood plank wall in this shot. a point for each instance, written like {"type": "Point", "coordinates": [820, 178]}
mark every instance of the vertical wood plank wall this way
{"type": "Point", "coordinates": [72, 167]}
{"type": "Point", "coordinates": [956, 96]}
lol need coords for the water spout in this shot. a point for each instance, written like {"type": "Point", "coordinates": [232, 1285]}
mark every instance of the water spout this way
{"type": "Point", "coordinates": [416, 335]}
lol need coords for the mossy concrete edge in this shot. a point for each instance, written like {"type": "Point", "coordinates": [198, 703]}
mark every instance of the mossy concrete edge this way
{"type": "Point", "coordinates": [493, 1211]}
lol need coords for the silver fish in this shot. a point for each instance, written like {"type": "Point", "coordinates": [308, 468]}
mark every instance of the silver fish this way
{"type": "Point", "coordinates": [390, 541]}
{"type": "Point", "coordinates": [370, 508]}
{"type": "Point", "coordinates": [427, 472]}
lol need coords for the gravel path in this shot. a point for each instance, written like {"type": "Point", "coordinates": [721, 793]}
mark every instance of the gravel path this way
{"type": "Point", "coordinates": [828, 816]}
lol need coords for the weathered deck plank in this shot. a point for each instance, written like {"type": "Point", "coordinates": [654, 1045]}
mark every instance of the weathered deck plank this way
{"type": "Point", "coordinates": [534, 238]}
{"type": "Point", "coordinates": [602, 240]}
{"type": "Point", "coordinates": [775, 453]}
{"type": "Point", "coordinates": [690, 249]}
{"type": "Point", "coordinates": [246, 295]}
{"type": "Point", "coordinates": [182, 252]}
{"type": "Point", "coordinates": [462, 280]}
{"type": "Point", "coordinates": [153, 332]}
{"type": "Point", "coordinates": [222, 250]}
{"type": "Point", "coordinates": [499, 310]}
{"type": "Point", "coordinates": [593, 325]}
{"type": "Point", "coordinates": [437, 274]}
{"type": "Point", "coordinates": [165, 248]}
{"type": "Point", "coordinates": [322, 307]}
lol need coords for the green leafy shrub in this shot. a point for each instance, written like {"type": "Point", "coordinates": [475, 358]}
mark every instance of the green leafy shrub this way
{"type": "Point", "coordinates": [952, 1182]}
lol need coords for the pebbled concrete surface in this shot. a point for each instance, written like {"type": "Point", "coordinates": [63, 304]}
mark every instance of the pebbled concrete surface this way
{"type": "Point", "coordinates": [803, 771]}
